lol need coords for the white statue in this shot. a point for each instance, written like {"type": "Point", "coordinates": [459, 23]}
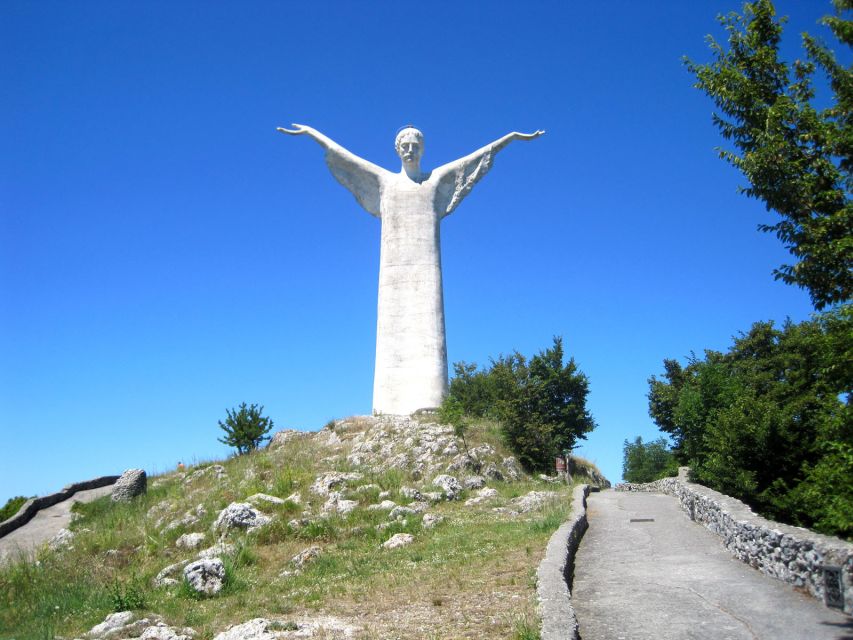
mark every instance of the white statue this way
{"type": "Point", "coordinates": [411, 352]}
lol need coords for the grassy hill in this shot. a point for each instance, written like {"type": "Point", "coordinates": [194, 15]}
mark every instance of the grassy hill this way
{"type": "Point", "coordinates": [469, 571]}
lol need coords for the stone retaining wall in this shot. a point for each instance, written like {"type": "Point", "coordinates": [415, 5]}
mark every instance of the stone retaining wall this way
{"type": "Point", "coordinates": [554, 575]}
{"type": "Point", "coordinates": [31, 507]}
{"type": "Point", "coordinates": [792, 554]}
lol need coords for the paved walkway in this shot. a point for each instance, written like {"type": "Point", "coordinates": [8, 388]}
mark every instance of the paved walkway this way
{"type": "Point", "coordinates": [672, 579]}
{"type": "Point", "coordinates": [45, 524]}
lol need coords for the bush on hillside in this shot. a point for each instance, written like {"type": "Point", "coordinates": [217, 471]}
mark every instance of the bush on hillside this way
{"type": "Point", "coordinates": [540, 404]}
{"type": "Point", "coordinates": [245, 429]}
{"type": "Point", "coordinates": [11, 507]}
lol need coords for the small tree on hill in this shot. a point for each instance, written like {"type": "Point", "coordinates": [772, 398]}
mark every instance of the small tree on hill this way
{"type": "Point", "coordinates": [540, 403]}
{"type": "Point", "coordinates": [245, 428]}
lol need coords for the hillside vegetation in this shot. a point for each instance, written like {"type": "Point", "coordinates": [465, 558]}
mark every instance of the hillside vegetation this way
{"type": "Point", "coordinates": [318, 567]}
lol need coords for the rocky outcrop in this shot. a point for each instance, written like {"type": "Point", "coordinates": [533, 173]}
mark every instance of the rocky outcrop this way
{"type": "Point", "coordinates": [792, 554]}
{"type": "Point", "coordinates": [125, 625]}
{"type": "Point", "coordinates": [130, 484]}
{"type": "Point", "coordinates": [240, 515]}
{"type": "Point", "coordinates": [534, 500]}
{"type": "Point", "coordinates": [206, 576]}
{"type": "Point", "coordinates": [328, 482]}
{"type": "Point", "coordinates": [449, 485]}
{"type": "Point", "coordinates": [325, 627]}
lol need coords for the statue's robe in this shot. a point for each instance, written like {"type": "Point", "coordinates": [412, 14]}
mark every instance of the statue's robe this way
{"type": "Point", "coordinates": [411, 349]}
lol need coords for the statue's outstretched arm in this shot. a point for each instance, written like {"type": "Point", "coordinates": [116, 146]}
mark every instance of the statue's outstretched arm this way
{"type": "Point", "coordinates": [456, 179]}
{"type": "Point", "coordinates": [362, 178]}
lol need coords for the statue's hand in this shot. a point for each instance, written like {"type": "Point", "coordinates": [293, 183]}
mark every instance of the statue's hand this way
{"type": "Point", "coordinates": [529, 136]}
{"type": "Point", "coordinates": [297, 129]}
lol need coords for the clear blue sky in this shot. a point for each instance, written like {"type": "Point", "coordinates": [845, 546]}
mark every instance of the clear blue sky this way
{"type": "Point", "coordinates": [165, 254]}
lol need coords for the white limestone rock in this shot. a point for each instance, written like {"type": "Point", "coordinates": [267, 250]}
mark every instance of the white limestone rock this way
{"type": "Point", "coordinates": [534, 500]}
{"type": "Point", "coordinates": [205, 576]}
{"type": "Point", "coordinates": [162, 631]}
{"type": "Point", "coordinates": [431, 520]}
{"type": "Point", "coordinates": [326, 627]}
{"type": "Point", "coordinates": [264, 498]}
{"type": "Point", "coordinates": [449, 485]}
{"type": "Point", "coordinates": [130, 484]}
{"type": "Point", "coordinates": [216, 470]}
{"type": "Point", "coordinates": [385, 505]}
{"type": "Point", "coordinates": [190, 541]}
{"type": "Point", "coordinates": [112, 622]}
{"type": "Point", "coordinates": [483, 495]}
{"type": "Point", "coordinates": [364, 488]}
{"type": "Point", "coordinates": [398, 540]}
{"type": "Point", "coordinates": [512, 470]}
{"type": "Point", "coordinates": [189, 519]}
{"type": "Point", "coordinates": [240, 515]}
{"type": "Point", "coordinates": [284, 436]}
{"type": "Point", "coordinates": [400, 513]}
{"type": "Point", "coordinates": [218, 550]}
{"type": "Point", "coordinates": [166, 577]}
{"type": "Point", "coordinates": [62, 540]}
{"type": "Point", "coordinates": [411, 493]}
{"type": "Point", "coordinates": [337, 504]}
{"type": "Point", "coordinates": [325, 483]}
{"type": "Point", "coordinates": [474, 482]}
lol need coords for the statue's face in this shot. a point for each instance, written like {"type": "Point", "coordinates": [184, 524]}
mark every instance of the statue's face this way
{"type": "Point", "coordinates": [410, 149]}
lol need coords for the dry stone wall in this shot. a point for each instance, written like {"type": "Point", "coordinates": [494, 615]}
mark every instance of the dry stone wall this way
{"type": "Point", "coordinates": [31, 507]}
{"type": "Point", "coordinates": [822, 565]}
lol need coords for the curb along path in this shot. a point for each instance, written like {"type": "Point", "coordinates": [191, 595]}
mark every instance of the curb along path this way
{"type": "Point", "coordinates": [645, 571]}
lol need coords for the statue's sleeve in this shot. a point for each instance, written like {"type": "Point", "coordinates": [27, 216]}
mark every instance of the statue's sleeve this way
{"type": "Point", "coordinates": [362, 178]}
{"type": "Point", "coordinates": [456, 179]}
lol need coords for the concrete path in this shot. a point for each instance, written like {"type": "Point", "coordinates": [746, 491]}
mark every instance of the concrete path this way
{"type": "Point", "coordinates": [45, 524]}
{"type": "Point", "coordinates": [664, 577]}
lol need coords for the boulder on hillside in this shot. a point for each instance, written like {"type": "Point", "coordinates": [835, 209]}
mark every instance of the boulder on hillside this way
{"type": "Point", "coordinates": [190, 541]}
{"type": "Point", "coordinates": [398, 540]}
{"type": "Point", "coordinates": [130, 484]}
{"type": "Point", "coordinates": [240, 515]}
{"type": "Point", "coordinates": [206, 576]}
{"type": "Point", "coordinates": [449, 485]}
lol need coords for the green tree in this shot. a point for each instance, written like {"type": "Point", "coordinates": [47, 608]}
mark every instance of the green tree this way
{"type": "Point", "coordinates": [647, 461]}
{"type": "Point", "coordinates": [540, 404]}
{"type": "Point", "coordinates": [770, 420]}
{"type": "Point", "coordinates": [797, 157]}
{"type": "Point", "coordinates": [245, 428]}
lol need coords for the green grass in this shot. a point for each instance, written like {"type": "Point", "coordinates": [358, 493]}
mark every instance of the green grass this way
{"type": "Point", "coordinates": [469, 576]}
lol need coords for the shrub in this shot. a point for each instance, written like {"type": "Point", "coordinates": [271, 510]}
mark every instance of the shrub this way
{"type": "Point", "coordinates": [11, 507]}
{"type": "Point", "coordinates": [540, 404]}
{"type": "Point", "coordinates": [245, 428]}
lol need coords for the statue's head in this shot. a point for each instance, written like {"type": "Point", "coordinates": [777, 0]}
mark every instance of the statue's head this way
{"type": "Point", "coordinates": [409, 145]}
